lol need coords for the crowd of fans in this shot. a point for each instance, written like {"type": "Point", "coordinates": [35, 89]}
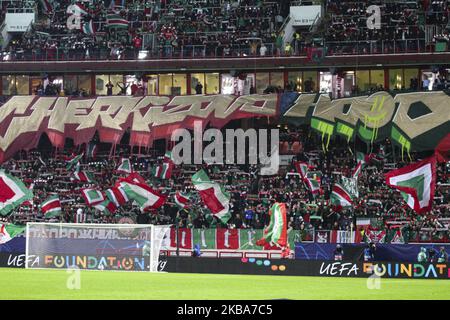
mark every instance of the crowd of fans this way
{"type": "Point", "coordinates": [194, 28]}
{"type": "Point", "coordinates": [251, 194]}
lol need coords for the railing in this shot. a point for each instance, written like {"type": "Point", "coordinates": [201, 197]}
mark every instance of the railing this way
{"type": "Point", "coordinates": [342, 48]}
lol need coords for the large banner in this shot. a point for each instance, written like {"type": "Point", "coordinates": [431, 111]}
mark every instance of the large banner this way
{"type": "Point", "coordinates": [305, 15]}
{"type": "Point", "coordinates": [414, 121]}
{"type": "Point", "coordinates": [18, 22]}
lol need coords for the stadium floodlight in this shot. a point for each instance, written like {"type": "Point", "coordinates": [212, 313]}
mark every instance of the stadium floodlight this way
{"type": "Point", "coordinates": [125, 247]}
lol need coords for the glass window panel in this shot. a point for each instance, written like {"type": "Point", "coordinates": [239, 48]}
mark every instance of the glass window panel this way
{"type": "Point", "coordinates": [296, 80]}
{"type": "Point", "coordinates": [179, 84]}
{"type": "Point", "coordinates": [277, 79]}
{"type": "Point", "coordinates": [70, 84]}
{"type": "Point", "coordinates": [8, 83]}
{"type": "Point", "coordinates": [227, 84]}
{"type": "Point", "coordinates": [130, 80]}
{"type": "Point", "coordinates": [409, 75]}
{"type": "Point", "coordinates": [377, 78]}
{"type": "Point", "coordinates": [310, 81]}
{"type": "Point", "coordinates": [165, 84]}
{"type": "Point", "coordinates": [23, 84]}
{"type": "Point", "coordinates": [115, 80]}
{"type": "Point", "coordinates": [262, 82]}
{"type": "Point", "coordinates": [363, 80]}
{"type": "Point", "coordinates": [197, 78]}
{"type": "Point", "coordinates": [152, 85]}
{"type": "Point", "coordinates": [395, 79]}
{"type": "Point", "coordinates": [84, 83]}
{"type": "Point", "coordinates": [100, 84]}
{"type": "Point", "coordinates": [36, 82]}
{"type": "Point", "coordinates": [212, 83]}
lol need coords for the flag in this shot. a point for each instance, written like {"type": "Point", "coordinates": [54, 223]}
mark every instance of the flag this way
{"type": "Point", "coordinates": [168, 156]}
{"type": "Point", "coordinates": [9, 231]}
{"type": "Point", "coordinates": [142, 194]}
{"type": "Point", "coordinates": [276, 231]}
{"type": "Point", "coordinates": [117, 196]}
{"type": "Point", "coordinates": [163, 171]}
{"type": "Point", "coordinates": [310, 179]}
{"type": "Point", "coordinates": [116, 21]}
{"type": "Point", "coordinates": [79, 9]}
{"type": "Point", "coordinates": [351, 185]}
{"type": "Point", "coordinates": [73, 160]}
{"type": "Point", "coordinates": [29, 203]}
{"type": "Point", "coordinates": [12, 193]}
{"type": "Point", "coordinates": [92, 196]}
{"type": "Point", "coordinates": [51, 207]}
{"type": "Point", "coordinates": [125, 166]}
{"type": "Point", "coordinates": [213, 196]}
{"type": "Point", "coordinates": [135, 178]}
{"type": "Point", "coordinates": [417, 183]}
{"type": "Point", "coordinates": [184, 238]}
{"type": "Point", "coordinates": [107, 207]}
{"type": "Point", "coordinates": [83, 176]}
{"type": "Point", "coordinates": [340, 196]}
{"type": "Point", "coordinates": [91, 150]}
{"type": "Point", "coordinates": [361, 160]}
{"type": "Point", "coordinates": [181, 199]}
{"type": "Point", "coordinates": [88, 28]}
{"type": "Point", "coordinates": [47, 6]}
{"type": "Point", "coordinates": [375, 236]}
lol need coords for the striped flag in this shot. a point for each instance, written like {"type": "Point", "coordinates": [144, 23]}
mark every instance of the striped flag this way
{"type": "Point", "coordinates": [125, 166]}
{"type": "Point", "coordinates": [340, 197]}
{"type": "Point", "coordinates": [107, 207]}
{"type": "Point", "coordinates": [117, 196]}
{"type": "Point", "coordinates": [416, 182]}
{"type": "Point", "coordinates": [47, 6]}
{"type": "Point", "coordinates": [91, 150]}
{"type": "Point", "coordinates": [51, 207]}
{"type": "Point", "coordinates": [9, 231]}
{"type": "Point", "coordinates": [311, 179]}
{"type": "Point", "coordinates": [144, 195]}
{"type": "Point", "coordinates": [135, 178]}
{"type": "Point", "coordinates": [276, 232]}
{"type": "Point", "coordinates": [181, 199]}
{"type": "Point", "coordinates": [163, 171]}
{"type": "Point", "coordinates": [30, 202]}
{"type": "Point", "coordinates": [73, 160]}
{"type": "Point", "coordinates": [83, 176]}
{"type": "Point", "coordinates": [116, 21]}
{"type": "Point", "coordinates": [213, 196]}
{"type": "Point", "coordinates": [92, 196]}
{"type": "Point", "coordinates": [88, 28]}
{"type": "Point", "coordinates": [12, 193]}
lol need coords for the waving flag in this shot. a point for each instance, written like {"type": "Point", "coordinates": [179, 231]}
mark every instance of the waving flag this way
{"type": "Point", "coordinates": [145, 196]}
{"type": "Point", "coordinates": [125, 166]}
{"type": "Point", "coordinates": [311, 179]}
{"type": "Point", "coordinates": [9, 231]}
{"type": "Point", "coordinates": [92, 196]}
{"type": "Point", "coordinates": [213, 196]}
{"type": "Point", "coordinates": [116, 21]}
{"type": "Point", "coordinates": [163, 171]}
{"type": "Point", "coordinates": [47, 6]}
{"type": "Point", "coordinates": [12, 193]}
{"type": "Point", "coordinates": [181, 200]}
{"type": "Point", "coordinates": [361, 160]}
{"type": "Point", "coordinates": [107, 207]}
{"type": "Point", "coordinates": [29, 203]}
{"type": "Point", "coordinates": [83, 176]}
{"type": "Point", "coordinates": [276, 231]}
{"type": "Point", "coordinates": [417, 183]}
{"type": "Point", "coordinates": [91, 150]}
{"type": "Point", "coordinates": [88, 28]}
{"type": "Point", "coordinates": [117, 196]}
{"type": "Point", "coordinates": [135, 178]}
{"type": "Point", "coordinates": [340, 196]}
{"type": "Point", "coordinates": [73, 160]}
{"type": "Point", "coordinates": [51, 207]}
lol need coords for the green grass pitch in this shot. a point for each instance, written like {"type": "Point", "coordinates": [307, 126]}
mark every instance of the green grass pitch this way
{"type": "Point", "coordinates": [52, 284]}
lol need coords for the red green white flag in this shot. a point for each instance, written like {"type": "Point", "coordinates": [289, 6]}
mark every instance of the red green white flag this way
{"type": "Point", "coordinates": [92, 196]}
{"type": "Point", "coordinates": [276, 231]}
{"type": "Point", "coordinates": [107, 207]}
{"type": "Point", "coordinates": [164, 171]}
{"type": "Point", "coordinates": [182, 200]}
{"type": "Point", "coordinates": [125, 166]}
{"type": "Point", "coordinates": [73, 161]}
{"type": "Point", "coordinates": [416, 182]}
{"type": "Point", "coordinates": [340, 196]}
{"type": "Point", "coordinates": [145, 196]}
{"type": "Point", "coordinates": [84, 176]}
{"type": "Point", "coordinates": [213, 196]}
{"type": "Point", "coordinates": [51, 207]}
{"type": "Point", "coordinates": [12, 193]}
{"type": "Point", "coordinates": [9, 231]}
{"type": "Point", "coordinates": [117, 196]}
